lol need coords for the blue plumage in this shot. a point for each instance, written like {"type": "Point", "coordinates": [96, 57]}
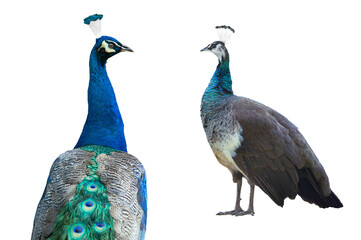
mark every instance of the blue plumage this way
{"type": "Point", "coordinates": [220, 84]}
{"type": "Point", "coordinates": [97, 190]}
{"type": "Point", "coordinates": [104, 125]}
{"type": "Point", "coordinates": [142, 200]}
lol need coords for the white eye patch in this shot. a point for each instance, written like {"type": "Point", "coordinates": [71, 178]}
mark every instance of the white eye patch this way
{"type": "Point", "coordinates": [107, 48]}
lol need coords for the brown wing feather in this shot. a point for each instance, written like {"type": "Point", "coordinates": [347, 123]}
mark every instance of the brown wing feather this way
{"type": "Point", "coordinates": [274, 152]}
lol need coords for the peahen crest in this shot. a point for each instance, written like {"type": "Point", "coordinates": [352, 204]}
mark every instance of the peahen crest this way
{"type": "Point", "coordinates": [224, 33]}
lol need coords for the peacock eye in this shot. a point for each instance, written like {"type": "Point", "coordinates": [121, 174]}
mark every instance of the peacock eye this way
{"type": "Point", "coordinates": [111, 45]}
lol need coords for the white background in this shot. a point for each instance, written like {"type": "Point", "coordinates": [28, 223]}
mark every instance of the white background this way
{"type": "Point", "coordinates": [301, 58]}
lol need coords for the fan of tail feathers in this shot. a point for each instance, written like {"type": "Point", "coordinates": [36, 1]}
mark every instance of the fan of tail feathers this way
{"type": "Point", "coordinates": [97, 190]}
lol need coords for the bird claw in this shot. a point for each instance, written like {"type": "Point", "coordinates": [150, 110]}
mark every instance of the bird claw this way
{"type": "Point", "coordinates": [237, 213]}
{"type": "Point", "coordinates": [243, 213]}
{"type": "Point", "coordinates": [233, 212]}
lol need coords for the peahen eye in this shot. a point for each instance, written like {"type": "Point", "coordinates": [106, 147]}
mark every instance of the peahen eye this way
{"type": "Point", "coordinates": [111, 45]}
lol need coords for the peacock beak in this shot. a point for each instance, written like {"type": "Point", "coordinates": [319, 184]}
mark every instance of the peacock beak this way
{"type": "Point", "coordinates": [126, 49]}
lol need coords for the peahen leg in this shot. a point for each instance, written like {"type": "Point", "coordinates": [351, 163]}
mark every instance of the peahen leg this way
{"type": "Point", "coordinates": [250, 210]}
{"type": "Point", "coordinates": [237, 208]}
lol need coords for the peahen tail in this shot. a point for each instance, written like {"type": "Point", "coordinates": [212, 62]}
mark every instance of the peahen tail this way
{"type": "Point", "coordinates": [308, 190]}
{"type": "Point", "coordinates": [87, 214]}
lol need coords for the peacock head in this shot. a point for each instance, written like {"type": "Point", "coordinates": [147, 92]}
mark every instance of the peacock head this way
{"type": "Point", "coordinates": [107, 47]}
{"type": "Point", "coordinates": [219, 47]}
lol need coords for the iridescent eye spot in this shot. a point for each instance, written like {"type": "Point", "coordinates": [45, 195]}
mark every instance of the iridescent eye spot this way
{"type": "Point", "coordinates": [92, 187]}
{"type": "Point", "coordinates": [100, 227]}
{"type": "Point", "coordinates": [77, 231]}
{"type": "Point", "coordinates": [88, 206]}
{"type": "Point", "coordinates": [89, 177]}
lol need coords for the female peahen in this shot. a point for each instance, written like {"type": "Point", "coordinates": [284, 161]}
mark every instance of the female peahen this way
{"type": "Point", "coordinates": [256, 142]}
{"type": "Point", "coordinates": [97, 190]}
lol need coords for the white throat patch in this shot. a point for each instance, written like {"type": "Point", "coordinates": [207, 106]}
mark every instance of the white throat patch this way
{"type": "Point", "coordinates": [219, 52]}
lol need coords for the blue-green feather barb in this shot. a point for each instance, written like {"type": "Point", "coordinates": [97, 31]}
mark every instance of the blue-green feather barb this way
{"type": "Point", "coordinates": [87, 214]}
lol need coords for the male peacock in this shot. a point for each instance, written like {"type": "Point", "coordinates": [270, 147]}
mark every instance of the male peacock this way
{"type": "Point", "coordinates": [256, 142]}
{"type": "Point", "coordinates": [97, 190]}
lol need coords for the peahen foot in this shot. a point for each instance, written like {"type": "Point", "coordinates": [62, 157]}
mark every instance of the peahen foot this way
{"type": "Point", "coordinates": [233, 212]}
{"type": "Point", "coordinates": [237, 212]}
{"type": "Point", "coordinates": [243, 213]}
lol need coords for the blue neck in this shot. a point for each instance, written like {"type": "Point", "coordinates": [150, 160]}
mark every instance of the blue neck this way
{"type": "Point", "coordinates": [220, 84]}
{"type": "Point", "coordinates": [104, 125]}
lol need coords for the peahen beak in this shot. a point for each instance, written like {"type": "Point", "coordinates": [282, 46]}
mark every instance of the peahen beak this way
{"type": "Point", "coordinates": [205, 49]}
{"type": "Point", "coordinates": [126, 49]}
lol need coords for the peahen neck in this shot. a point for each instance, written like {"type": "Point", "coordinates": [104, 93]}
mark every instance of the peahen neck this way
{"type": "Point", "coordinates": [104, 125]}
{"type": "Point", "coordinates": [220, 84]}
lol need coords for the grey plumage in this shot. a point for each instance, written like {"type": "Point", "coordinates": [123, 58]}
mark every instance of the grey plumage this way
{"type": "Point", "coordinates": [270, 150]}
{"type": "Point", "coordinates": [256, 142]}
{"type": "Point", "coordinates": [70, 168]}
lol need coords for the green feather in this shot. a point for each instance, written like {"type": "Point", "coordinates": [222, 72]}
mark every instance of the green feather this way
{"type": "Point", "coordinates": [87, 214]}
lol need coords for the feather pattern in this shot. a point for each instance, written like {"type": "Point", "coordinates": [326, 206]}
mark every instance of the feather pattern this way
{"type": "Point", "coordinates": [67, 201]}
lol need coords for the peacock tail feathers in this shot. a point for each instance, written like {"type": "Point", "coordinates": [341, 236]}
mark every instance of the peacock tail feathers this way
{"type": "Point", "coordinates": [87, 214]}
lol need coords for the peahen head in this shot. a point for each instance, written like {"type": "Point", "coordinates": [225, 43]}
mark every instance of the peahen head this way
{"type": "Point", "coordinates": [106, 47]}
{"type": "Point", "coordinates": [219, 47]}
